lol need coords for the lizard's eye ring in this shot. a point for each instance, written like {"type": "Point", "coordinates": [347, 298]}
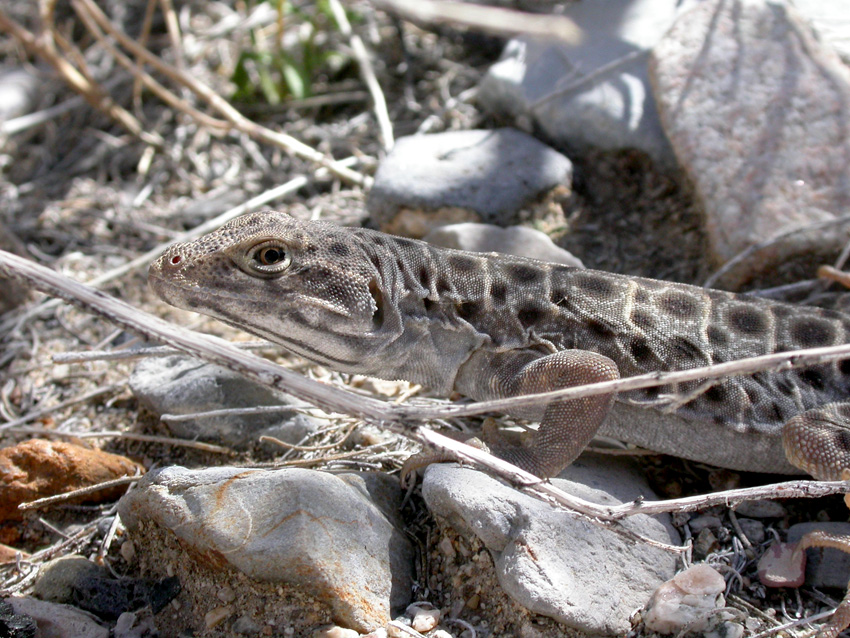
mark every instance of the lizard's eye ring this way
{"type": "Point", "coordinates": [269, 258]}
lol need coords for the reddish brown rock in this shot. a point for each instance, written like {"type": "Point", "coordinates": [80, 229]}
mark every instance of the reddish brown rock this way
{"type": "Point", "coordinates": [38, 468]}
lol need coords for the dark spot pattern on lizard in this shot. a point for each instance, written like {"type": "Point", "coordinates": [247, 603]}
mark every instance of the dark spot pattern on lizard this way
{"type": "Point", "coordinates": [808, 332]}
{"type": "Point", "coordinates": [747, 320]}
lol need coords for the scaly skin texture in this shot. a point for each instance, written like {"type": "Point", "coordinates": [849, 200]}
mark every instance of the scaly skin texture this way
{"type": "Point", "coordinates": [490, 326]}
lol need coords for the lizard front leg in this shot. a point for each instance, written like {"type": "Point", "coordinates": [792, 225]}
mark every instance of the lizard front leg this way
{"type": "Point", "coordinates": [566, 427]}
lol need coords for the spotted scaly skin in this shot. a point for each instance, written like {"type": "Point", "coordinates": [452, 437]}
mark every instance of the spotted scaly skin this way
{"type": "Point", "coordinates": [492, 325]}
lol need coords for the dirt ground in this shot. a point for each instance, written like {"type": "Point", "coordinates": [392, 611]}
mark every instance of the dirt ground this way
{"type": "Point", "coordinates": [83, 194]}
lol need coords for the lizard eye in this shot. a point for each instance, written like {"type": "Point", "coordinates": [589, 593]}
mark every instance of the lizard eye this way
{"type": "Point", "coordinates": [269, 258]}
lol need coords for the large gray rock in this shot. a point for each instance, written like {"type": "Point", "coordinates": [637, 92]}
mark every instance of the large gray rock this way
{"type": "Point", "coordinates": [335, 536]}
{"type": "Point", "coordinates": [554, 564]}
{"type": "Point", "coordinates": [459, 176]}
{"type": "Point", "coordinates": [756, 109]}
{"type": "Point", "coordinates": [594, 94]}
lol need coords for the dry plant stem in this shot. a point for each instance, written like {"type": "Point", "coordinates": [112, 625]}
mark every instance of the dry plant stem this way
{"type": "Point", "coordinates": [588, 79]}
{"type": "Point", "coordinates": [833, 274]}
{"type": "Point", "coordinates": [493, 20]}
{"type": "Point", "coordinates": [143, 41]}
{"type": "Point", "coordinates": [209, 414]}
{"type": "Point", "coordinates": [379, 102]}
{"type": "Point", "coordinates": [173, 26]}
{"type": "Point", "coordinates": [83, 491]}
{"type": "Point", "coordinates": [130, 436]}
{"type": "Point", "coordinates": [311, 448]}
{"type": "Point", "coordinates": [794, 623]}
{"type": "Point", "coordinates": [399, 417]}
{"type": "Point", "coordinates": [174, 101]}
{"type": "Point", "coordinates": [42, 412]}
{"type": "Point", "coordinates": [43, 48]}
{"type": "Point", "coordinates": [239, 121]}
{"type": "Point", "coordinates": [533, 484]}
{"type": "Point", "coordinates": [86, 356]}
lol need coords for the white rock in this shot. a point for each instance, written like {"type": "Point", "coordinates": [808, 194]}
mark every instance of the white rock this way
{"type": "Point", "coordinates": [684, 598]}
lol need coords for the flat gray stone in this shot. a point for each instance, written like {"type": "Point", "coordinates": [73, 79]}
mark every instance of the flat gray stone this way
{"type": "Point", "coordinates": [554, 564]}
{"type": "Point", "coordinates": [825, 567]}
{"type": "Point", "coordinates": [335, 536]}
{"type": "Point", "coordinates": [461, 176]}
{"type": "Point", "coordinates": [755, 107]}
{"type": "Point", "coordinates": [182, 385]}
{"type": "Point", "coordinates": [515, 240]}
{"type": "Point", "coordinates": [580, 96]}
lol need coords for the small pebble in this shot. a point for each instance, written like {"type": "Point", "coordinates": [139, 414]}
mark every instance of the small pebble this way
{"type": "Point", "coordinates": [781, 566]}
{"type": "Point", "coordinates": [246, 625]}
{"type": "Point", "coordinates": [217, 616]}
{"type": "Point", "coordinates": [706, 543]}
{"type": "Point", "coordinates": [448, 548]}
{"type": "Point", "coordinates": [380, 632]}
{"type": "Point", "coordinates": [684, 599]}
{"type": "Point", "coordinates": [226, 595]}
{"type": "Point", "coordinates": [128, 551]}
{"type": "Point", "coordinates": [706, 521]}
{"type": "Point", "coordinates": [335, 632]}
{"type": "Point", "coordinates": [425, 620]}
{"type": "Point", "coordinates": [761, 509]}
{"type": "Point", "coordinates": [753, 530]}
{"type": "Point", "coordinates": [394, 630]}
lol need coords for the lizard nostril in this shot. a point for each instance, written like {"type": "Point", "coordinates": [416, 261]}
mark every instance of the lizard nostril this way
{"type": "Point", "coordinates": [176, 260]}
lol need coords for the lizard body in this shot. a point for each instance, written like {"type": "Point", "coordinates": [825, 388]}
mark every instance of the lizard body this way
{"type": "Point", "coordinates": [492, 325]}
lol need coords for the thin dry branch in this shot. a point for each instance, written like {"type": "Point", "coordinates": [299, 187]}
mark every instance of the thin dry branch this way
{"type": "Point", "coordinates": [495, 20]}
{"type": "Point", "coordinates": [379, 102]}
{"type": "Point", "coordinates": [239, 121]}
{"type": "Point", "coordinates": [83, 491]}
{"type": "Point", "coordinates": [141, 76]}
{"type": "Point", "coordinates": [45, 49]}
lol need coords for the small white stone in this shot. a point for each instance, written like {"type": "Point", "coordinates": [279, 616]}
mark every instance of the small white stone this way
{"type": "Point", "coordinates": [128, 551]}
{"type": "Point", "coordinates": [226, 595]}
{"type": "Point", "coordinates": [425, 620]}
{"type": "Point", "coordinates": [218, 615]}
{"type": "Point", "coordinates": [448, 548]}
{"type": "Point", "coordinates": [684, 598]}
{"type": "Point", "coordinates": [334, 631]}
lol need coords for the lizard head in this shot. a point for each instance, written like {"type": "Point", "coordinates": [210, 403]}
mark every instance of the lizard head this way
{"type": "Point", "coordinates": [309, 286]}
